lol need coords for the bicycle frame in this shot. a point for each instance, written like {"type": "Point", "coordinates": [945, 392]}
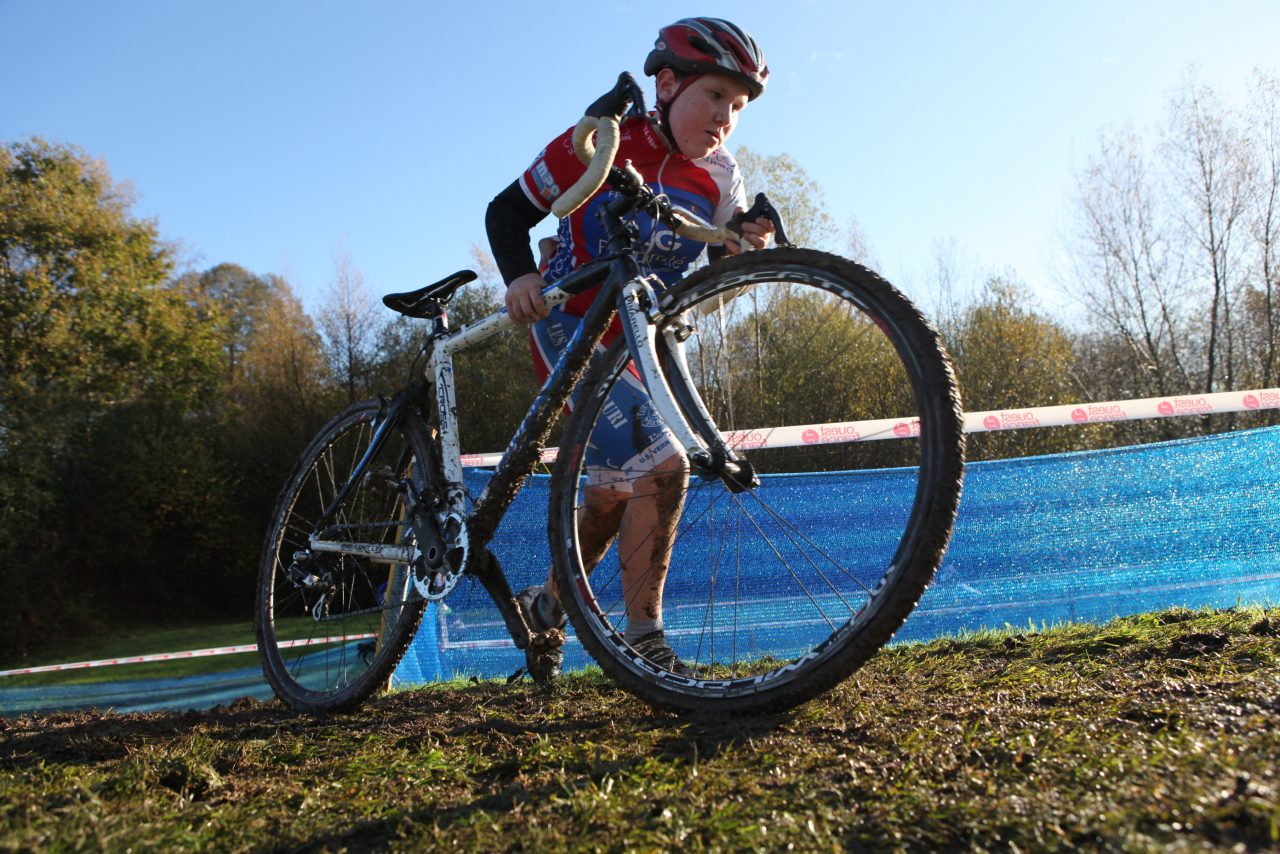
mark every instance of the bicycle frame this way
{"type": "Point", "coordinates": [625, 289]}
{"type": "Point", "coordinates": [405, 508]}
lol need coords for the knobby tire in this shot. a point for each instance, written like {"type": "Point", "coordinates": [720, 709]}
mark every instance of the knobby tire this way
{"type": "Point", "coordinates": [334, 672]}
{"type": "Point", "coordinates": [868, 328]}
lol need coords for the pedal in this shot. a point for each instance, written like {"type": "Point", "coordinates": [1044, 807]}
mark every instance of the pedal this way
{"type": "Point", "coordinates": [437, 584]}
{"type": "Point", "coordinates": [543, 657]}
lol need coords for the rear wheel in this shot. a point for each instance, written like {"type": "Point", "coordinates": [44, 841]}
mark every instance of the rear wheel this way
{"type": "Point", "coordinates": [332, 626]}
{"type": "Point", "coordinates": [836, 390]}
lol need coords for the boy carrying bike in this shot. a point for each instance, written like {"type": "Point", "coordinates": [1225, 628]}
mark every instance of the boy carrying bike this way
{"type": "Point", "coordinates": [706, 71]}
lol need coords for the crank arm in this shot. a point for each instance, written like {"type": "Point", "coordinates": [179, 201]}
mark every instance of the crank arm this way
{"type": "Point", "coordinates": [376, 552]}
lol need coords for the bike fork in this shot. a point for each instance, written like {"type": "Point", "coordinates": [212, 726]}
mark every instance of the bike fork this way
{"type": "Point", "coordinates": [672, 390]}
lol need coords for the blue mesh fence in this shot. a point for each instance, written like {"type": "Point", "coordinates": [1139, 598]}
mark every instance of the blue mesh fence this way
{"type": "Point", "coordinates": [1042, 540]}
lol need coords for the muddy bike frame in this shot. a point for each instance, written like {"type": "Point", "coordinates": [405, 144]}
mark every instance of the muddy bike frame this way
{"type": "Point", "coordinates": [451, 541]}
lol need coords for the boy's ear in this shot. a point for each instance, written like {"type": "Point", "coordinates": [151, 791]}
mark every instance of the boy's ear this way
{"type": "Point", "coordinates": [667, 84]}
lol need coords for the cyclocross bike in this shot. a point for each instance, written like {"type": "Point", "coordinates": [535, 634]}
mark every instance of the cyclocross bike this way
{"type": "Point", "coordinates": [821, 431]}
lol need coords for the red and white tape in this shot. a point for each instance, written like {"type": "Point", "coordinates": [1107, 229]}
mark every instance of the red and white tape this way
{"type": "Point", "coordinates": [1078, 414]}
{"type": "Point", "coordinates": [172, 656]}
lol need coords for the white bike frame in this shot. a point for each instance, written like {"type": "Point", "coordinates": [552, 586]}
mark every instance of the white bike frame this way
{"type": "Point", "coordinates": [640, 318]}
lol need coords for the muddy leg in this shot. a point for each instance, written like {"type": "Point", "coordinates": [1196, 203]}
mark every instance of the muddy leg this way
{"type": "Point", "coordinates": [599, 518]}
{"type": "Point", "coordinates": [647, 534]}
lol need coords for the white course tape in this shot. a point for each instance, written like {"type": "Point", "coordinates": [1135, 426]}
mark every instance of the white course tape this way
{"type": "Point", "coordinates": [1122, 410]}
{"type": "Point", "coordinates": [1070, 414]}
{"type": "Point", "coordinates": [173, 656]}
{"type": "Point", "coordinates": [1078, 414]}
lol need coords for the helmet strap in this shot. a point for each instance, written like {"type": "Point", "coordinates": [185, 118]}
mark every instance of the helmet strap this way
{"type": "Point", "coordinates": [664, 108]}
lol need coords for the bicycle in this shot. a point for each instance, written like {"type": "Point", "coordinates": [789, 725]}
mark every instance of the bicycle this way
{"type": "Point", "coordinates": [781, 602]}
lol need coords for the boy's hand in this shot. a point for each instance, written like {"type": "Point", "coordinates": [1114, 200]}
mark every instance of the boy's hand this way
{"type": "Point", "coordinates": [524, 299]}
{"type": "Point", "coordinates": [758, 233]}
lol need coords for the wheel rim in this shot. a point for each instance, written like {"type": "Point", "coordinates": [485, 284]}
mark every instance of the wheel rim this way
{"type": "Point", "coordinates": [328, 640]}
{"type": "Point", "coordinates": [833, 526]}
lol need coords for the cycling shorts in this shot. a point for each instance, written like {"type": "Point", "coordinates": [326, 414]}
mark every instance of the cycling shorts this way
{"type": "Point", "coordinates": [629, 438]}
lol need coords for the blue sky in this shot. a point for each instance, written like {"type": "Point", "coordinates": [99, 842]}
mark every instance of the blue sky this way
{"type": "Point", "coordinates": [277, 134]}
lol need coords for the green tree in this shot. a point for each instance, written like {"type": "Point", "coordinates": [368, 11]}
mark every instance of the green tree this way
{"type": "Point", "coordinates": [765, 360]}
{"type": "Point", "coordinates": [85, 304]}
{"type": "Point", "coordinates": [96, 345]}
{"type": "Point", "coordinates": [1009, 357]}
{"type": "Point", "coordinates": [235, 300]}
{"type": "Point", "coordinates": [284, 365]}
{"type": "Point", "coordinates": [797, 197]}
{"type": "Point", "coordinates": [281, 397]}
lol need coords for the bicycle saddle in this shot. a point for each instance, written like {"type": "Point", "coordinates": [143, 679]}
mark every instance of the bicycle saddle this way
{"type": "Point", "coordinates": [426, 302]}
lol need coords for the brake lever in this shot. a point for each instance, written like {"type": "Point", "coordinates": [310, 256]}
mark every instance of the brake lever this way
{"type": "Point", "coordinates": [762, 207]}
{"type": "Point", "coordinates": [625, 98]}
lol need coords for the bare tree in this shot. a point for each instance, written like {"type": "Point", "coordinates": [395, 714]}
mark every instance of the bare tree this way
{"type": "Point", "coordinates": [858, 246]}
{"type": "Point", "coordinates": [349, 326]}
{"type": "Point", "coordinates": [1129, 279]}
{"type": "Point", "coordinates": [1211, 169]}
{"type": "Point", "coordinates": [1264, 129]}
{"type": "Point", "coordinates": [1177, 255]}
{"type": "Point", "coordinates": [953, 277]}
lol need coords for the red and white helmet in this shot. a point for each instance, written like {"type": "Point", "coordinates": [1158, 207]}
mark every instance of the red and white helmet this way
{"type": "Point", "coordinates": [709, 46]}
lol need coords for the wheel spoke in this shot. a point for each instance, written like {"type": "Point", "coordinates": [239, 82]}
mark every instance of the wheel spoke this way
{"type": "Point", "coordinates": [793, 534]}
{"type": "Point", "coordinates": [787, 569]}
{"type": "Point", "coordinates": [782, 560]}
{"type": "Point", "coordinates": [329, 670]}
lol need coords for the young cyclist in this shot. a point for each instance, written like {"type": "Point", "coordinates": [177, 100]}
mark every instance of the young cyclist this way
{"type": "Point", "coordinates": [707, 70]}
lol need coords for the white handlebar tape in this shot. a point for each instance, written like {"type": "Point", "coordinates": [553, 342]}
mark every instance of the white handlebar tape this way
{"type": "Point", "coordinates": [598, 157]}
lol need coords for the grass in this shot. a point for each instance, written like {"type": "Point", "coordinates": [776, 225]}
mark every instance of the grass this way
{"type": "Point", "coordinates": [141, 641]}
{"type": "Point", "coordinates": [138, 642]}
{"type": "Point", "coordinates": [147, 641]}
{"type": "Point", "coordinates": [1151, 733]}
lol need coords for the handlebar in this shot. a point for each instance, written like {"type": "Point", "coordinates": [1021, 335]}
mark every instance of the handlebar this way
{"type": "Point", "coordinates": [599, 159]}
{"type": "Point", "coordinates": [602, 120]}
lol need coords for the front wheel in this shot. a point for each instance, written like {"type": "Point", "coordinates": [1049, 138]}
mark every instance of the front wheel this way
{"type": "Point", "coordinates": [840, 395]}
{"type": "Point", "coordinates": [332, 625]}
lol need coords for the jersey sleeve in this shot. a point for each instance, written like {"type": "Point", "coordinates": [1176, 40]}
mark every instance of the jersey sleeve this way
{"type": "Point", "coordinates": [733, 195]}
{"type": "Point", "coordinates": [553, 171]}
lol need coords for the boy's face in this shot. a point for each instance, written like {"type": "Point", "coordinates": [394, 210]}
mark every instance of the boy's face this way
{"type": "Point", "coordinates": [705, 113]}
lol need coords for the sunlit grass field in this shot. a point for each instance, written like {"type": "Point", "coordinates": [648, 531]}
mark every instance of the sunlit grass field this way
{"type": "Point", "coordinates": [139, 642]}
{"type": "Point", "coordinates": [1151, 733]}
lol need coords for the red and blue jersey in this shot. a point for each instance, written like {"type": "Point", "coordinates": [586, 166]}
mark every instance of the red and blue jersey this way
{"type": "Point", "coordinates": [709, 187]}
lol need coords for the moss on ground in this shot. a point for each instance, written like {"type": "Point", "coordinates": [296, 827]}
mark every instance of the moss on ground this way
{"type": "Point", "coordinates": [1154, 732]}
